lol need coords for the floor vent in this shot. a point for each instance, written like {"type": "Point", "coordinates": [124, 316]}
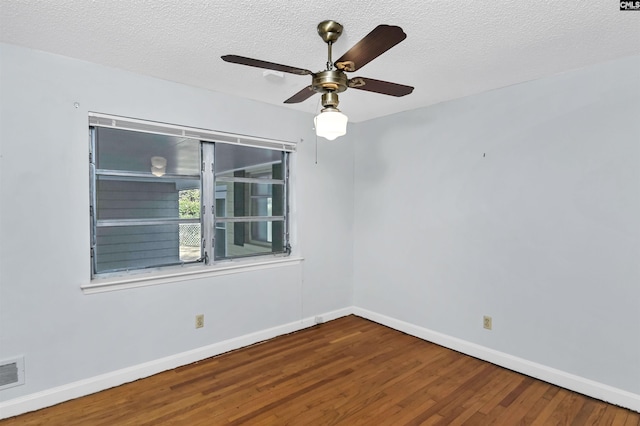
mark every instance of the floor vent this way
{"type": "Point", "coordinates": [11, 372]}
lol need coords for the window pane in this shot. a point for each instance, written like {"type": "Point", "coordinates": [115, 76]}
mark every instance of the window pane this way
{"type": "Point", "coordinates": [261, 189]}
{"type": "Point", "coordinates": [261, 232]}
{"type": "Point", "coordinates": [261, 206]}
{"type": "Point", "coordinates": [144, 198]}
{"type": "Point", "coordinates": [189, 203]}
{"type": "Point", "coordinates": [239, 202]}
{"type": "Point", "coordinates": [131, 247]}
{"type": "Point", "coordinates": [145, 246]}
{"type": "Point", "coordinates": [229, 245]}
{"type": "Point", "coordinates": [124, 150]}
{"type": "Point", "coordinates": [190, 242]}
{"type": "Point", "coordinates": [145, 177]}
{"type": "Point", "coordinates": [243, 161]}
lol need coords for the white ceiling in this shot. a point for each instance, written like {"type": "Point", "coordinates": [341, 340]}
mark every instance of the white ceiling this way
{"type": "Point", "coordinates": [453, 48]}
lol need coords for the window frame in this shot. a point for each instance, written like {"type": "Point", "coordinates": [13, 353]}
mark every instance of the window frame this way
{"type": "Point", "coordinates": [254, 239]}
{"type": "Point", "coordinates": [208, 185]}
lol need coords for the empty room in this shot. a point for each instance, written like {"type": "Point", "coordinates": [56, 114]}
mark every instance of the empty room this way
{"type": "Point", "coordinates": [310, 213]}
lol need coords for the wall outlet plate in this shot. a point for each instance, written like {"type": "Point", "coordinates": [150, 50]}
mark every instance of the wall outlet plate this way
{"type": "Point", "coordinates": [487, 322]}
{"type": "Point", "coordinates": [199, 320]}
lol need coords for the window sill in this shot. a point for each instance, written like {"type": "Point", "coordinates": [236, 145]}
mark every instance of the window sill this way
{"type": "Point", "coordinates": [101, 285]}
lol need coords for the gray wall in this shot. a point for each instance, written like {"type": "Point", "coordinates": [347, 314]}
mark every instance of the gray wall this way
{"type": "Point", "coordinates": [66, 335]}
{"type": "Point", "coordinates": [522, 204]}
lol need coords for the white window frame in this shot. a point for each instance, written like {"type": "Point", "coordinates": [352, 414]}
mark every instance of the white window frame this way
{"type": "Point", "coordinates": [207, 198]}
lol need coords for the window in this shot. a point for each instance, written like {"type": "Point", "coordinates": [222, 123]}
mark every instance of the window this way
{"type": "Point", "coordinates": [164, 195]}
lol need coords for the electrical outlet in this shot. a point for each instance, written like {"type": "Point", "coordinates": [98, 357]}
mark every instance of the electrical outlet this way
{"type": "Point", "coordinates": [486, 322]}
{"type": "Point", "coordinates": [200, 321]}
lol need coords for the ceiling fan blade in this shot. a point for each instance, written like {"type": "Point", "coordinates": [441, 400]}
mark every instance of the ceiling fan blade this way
{"type": "Point", "coordinates": [379, 86]}
{"type": "Point", "coordinates": [374, 44]}
{"type": "Point", "coordinates": [302, 95]}
{"type": "Point", "coordinates": [264, 64]}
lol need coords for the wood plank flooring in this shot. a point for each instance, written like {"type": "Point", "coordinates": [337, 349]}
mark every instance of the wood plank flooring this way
{"type": "Point", "coordinates": [345, 372]}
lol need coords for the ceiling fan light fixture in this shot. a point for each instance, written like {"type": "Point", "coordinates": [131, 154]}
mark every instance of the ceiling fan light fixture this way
{"type": "Point", "coordinates": [158, 166]}
{"type": "Point", "coordinates": [331, 123]}
{"type": "Point", "coordinates": [158, 171]}
{"type": "Point", "coordinates": [158, 161]}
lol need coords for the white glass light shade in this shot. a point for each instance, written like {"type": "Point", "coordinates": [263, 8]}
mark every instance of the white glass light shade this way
{"type": "Point", "coordinates": [159, 162]}
{"type": "Point", "coordinates": [158, 171]}
{"type": "Point", "coordinates": [158, 166]}
{"type": "Point", "coordinates": [330, 124]}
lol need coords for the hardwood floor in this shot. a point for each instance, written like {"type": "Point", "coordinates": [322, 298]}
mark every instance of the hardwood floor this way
{"type": "Point", "coordinates": [349, 371]}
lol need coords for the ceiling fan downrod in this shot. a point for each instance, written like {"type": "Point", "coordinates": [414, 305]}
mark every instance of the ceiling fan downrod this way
{"type": "Point", "coordinates": [329, 31]}
{"type": "Point", "coordinates": [329, 61]}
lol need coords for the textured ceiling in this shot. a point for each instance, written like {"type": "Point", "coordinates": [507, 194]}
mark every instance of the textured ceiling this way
{"type": "Point", "coordinates": [453, 49]}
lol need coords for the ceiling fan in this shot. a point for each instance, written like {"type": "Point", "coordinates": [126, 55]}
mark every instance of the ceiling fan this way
{"type": "Point", "coordinates": [331, 123]}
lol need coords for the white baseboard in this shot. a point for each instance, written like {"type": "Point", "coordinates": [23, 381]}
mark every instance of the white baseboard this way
{"type": "Point", "coordinates": [53, 396]}
{"type": "Point", "coordinates": [49, 397]}
{"type": "Point", "coordinates": [551, 375]}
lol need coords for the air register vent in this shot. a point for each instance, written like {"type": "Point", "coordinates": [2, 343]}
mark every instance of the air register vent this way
{"type": "Point", "coordinates": [11, 373]}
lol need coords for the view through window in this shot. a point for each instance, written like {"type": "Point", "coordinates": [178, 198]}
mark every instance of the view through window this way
{"type": "Point", "coordinates": [160, 200]}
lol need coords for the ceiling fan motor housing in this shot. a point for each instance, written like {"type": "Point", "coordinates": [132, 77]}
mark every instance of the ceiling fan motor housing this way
{"type": "Point", "coordinates": [330, 81]}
